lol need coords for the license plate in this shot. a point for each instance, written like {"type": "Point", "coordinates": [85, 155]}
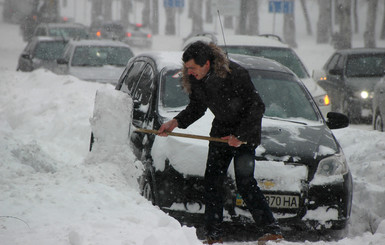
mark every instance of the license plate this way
{"type": "Point", "coordinates": [276, 201]}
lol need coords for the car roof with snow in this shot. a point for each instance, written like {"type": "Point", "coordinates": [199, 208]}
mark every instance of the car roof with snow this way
{"type": "Point", "coordinates": [234, 40]}
{"type": "Point", "coordinates": [98, 42]}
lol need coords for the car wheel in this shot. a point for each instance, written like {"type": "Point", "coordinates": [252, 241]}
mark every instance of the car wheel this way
{"type": "Point", "coordinates": [148, 187]}
{"type": "Point", "coordinates": [379, 123]}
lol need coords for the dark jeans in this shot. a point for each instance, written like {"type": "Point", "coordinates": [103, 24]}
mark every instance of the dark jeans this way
{"type": "Point", "coordinates": [218, 161]}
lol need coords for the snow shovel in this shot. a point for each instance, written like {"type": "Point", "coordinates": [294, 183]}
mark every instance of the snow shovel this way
{"type": "Point", "coordinates": [192, 136]}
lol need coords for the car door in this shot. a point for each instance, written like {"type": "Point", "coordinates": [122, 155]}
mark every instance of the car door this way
{"type": "Point", "coordinates": [334, 84]}
{"type": "Point", "coordinates": [25, 58]}
{"type": "Point", "coordinates": [139, 83]}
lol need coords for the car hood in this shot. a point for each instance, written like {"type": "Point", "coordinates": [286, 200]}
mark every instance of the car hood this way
{"type": "Point", "coordinates": [282, 141]}
{"type": "Point", "coordinates": [358, 84]}
{"type": "Point", "coordinates": [103, 74]}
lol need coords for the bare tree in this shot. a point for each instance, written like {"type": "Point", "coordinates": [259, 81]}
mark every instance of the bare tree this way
{"type": "Point", "coordinates": [343, 38]}
{"type": "Point", "coordinates": [125, 10]}
{"type": "Point", "coordinates": [107, 9]}
{"type": "Point", "coordinates": [324, 23]}
{"type": "Point", "coordinates": [197, 19]}
{"type": "Point", "coordinates": [146, 13]}
{"type": "Point", "coordinates": [355, 16]}
{"type": "Point", "coordinates": [170, 21]}
{"type": "Point", "coordinates": [369, 34]}
{"type": "Point", "coordinates": [155, 17]}
{"type": "Point", "coordinates": [97, 9]}
{"type": "Point", "coordinates": [306, 14]}
{"type": "Point", "coordinates": [252, 17]}
{"type": "Point", "coordinates": [209, 16]}
{"type": "Point", "coordinates": [242, 19]}
{"type": "Point", "coordinates": [289, 28]}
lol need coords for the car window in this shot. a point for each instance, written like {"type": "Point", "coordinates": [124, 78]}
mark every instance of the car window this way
{"type": "Point", "coordinates": [101, 55]}
{"type": "Point", "coordinates": [68, 32]}
{"type": "Point", "coordinates": [40, 32]}
{"type": "Point", "coordinates": [283, 96]}
{"type": "Point", "coordinates": [285, 56]}
{"type": "Point", "coordinates": [49, 50]}
{"type": "Point", "coordinates": [143, 90]}
{"type": "Point", "coordinates": [365, 65]}
{"type": "Point", "coordinates": [333, 62]}
{"type": "Point", "coordinates": [132, 76]}
{"type": "Point", "coordinates": [171, 91]}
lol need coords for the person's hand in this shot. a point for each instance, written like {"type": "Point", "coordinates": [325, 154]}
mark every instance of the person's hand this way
{"type": "Point", "coordinates": [167, 127]}
{"type": "Point", "coordinates": [232, 141]}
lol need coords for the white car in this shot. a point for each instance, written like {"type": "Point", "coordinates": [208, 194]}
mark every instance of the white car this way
{"type": "Point", "coordinates": [95, 60]}
{"type": "Point", "coordinates": [271, 47]}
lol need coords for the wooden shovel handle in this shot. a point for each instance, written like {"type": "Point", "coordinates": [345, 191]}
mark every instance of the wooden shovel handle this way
{"type": "Point", "coordinates": [192, 136]}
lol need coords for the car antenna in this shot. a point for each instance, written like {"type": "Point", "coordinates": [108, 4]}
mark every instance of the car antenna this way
{"type": "Point", "coordinates": [223, 33]}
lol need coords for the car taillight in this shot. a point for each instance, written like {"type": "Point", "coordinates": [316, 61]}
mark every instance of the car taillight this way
{"type": "Point", "coordinates": [128, 34]}
{"type": "Point", "coordinates": [98, 33]}
{"type": "Point", "coordinates": [149, 36]}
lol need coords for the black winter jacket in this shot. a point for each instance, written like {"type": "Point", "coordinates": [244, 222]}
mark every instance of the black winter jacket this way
{"type": "Point", "coordinates": [234, 101]}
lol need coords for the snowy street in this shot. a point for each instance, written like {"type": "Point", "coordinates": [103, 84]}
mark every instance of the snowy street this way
{"type": "Point", "coordinates": [53, 191]}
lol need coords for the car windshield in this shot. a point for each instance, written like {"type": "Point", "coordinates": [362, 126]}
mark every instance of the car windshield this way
{"type": "Point", "coordinates": [285, 56]}
{"type": "Point", "coordinates": [68, 32]}
{"type": "Point", "coordinates": [368, 65]}
{"type": "Point", "coordinates": [283, 96]}
{"type": "Point", "coordinates": [172, 95]}
{"type": "Point", "coordinates": [101, 55]}
{"type": "Point", "coordinates": [49, 50]}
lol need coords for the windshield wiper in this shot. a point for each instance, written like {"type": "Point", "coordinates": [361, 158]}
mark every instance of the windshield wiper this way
{"type": "Point", "coordinates": [285, 120]}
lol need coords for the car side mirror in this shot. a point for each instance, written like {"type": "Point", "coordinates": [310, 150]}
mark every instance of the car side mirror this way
{"type": "Point", "coordinates": [61, 61]}
{"type": "Point", "coordinates": [337, 120]}
{"type": "Point", "coordinates": [336, 72]}
{"type": "Point", "coordinates": [26, 56]}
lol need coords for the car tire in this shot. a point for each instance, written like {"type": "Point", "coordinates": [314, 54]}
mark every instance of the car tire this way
{"type": "Point", "coordinates": [379, 123]}
{"type": "Point", "coordinates": [147, 187]}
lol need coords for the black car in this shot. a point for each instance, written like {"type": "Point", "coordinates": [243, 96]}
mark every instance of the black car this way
{"type": "Point", "coordinates": [107, 29]}
{"type": "Point", "coordinates": [378, 119]}
{"type": "Point", "coordinates": [300, 166]}
{"type": "Point", "coordinates": [41, 52]}
{"type": "Point", "coordinates": [136, 36]}
{"type": "Point", "coordinates": [349, 77]}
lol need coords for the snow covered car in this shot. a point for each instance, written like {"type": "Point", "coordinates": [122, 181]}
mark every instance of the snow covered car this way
{"type": "Point", "coordinates": [300, 166]}
{"type": "Point", "coordinates": [271, 47]}
{"type": "Point", "coordinates": [41, 52]}
{"type": "Point", "coordinates": [94, 60]}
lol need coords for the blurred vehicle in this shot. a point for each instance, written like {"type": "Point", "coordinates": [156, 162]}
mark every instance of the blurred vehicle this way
{"type": "Point", "coordinates": [300, 165]}
{"type": "Point", "coordinates": [94, 60]}
{"type": "Point", "coordinates": [271, 47]}
{"type": "Point", "coordinates": [15, 10]}
{"type": "Point", "coordinates": [349, 77]}
{"type": "Point", "coordinates": [379, 106]}
{"type": "Point", "coordinates": [65, 29]}
{"type": "Point", "coordinates": [41, 52]}
{"type": "Point", "coordinates": [136, 37]}
{"type": "Point", "coordinates": [107, 29]}
{"type": "Point", "coordinates": [40, 11]}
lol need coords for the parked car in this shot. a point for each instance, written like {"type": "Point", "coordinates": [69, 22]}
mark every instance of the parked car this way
{"type": "Point", "coordinates": [137, 37]}
{"type": "Point", "coordinates": [41, 52]}
{"type": "Point", "coordinates": [107, 29]}
{"type": "Point", "coordinates": [349, 77]}
{"type": "Point", "coordinates": [94, 60]}
{"type": "Point", "coordinates": [271, 47]}
{"type": "Point", "coordinates": [378, 118]}
{"type": "Point", "coordinates": [300, 165]}
{"type": "Point", "coordinates": [66, 30]}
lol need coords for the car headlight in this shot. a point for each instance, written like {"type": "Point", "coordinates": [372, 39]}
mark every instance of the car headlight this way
{"type": "Point", "coordinates": [364, 94]}
{"type": "Point", "coordinates": [322, 100]}
{"type": "Point", "coordinates": [333, 165]}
